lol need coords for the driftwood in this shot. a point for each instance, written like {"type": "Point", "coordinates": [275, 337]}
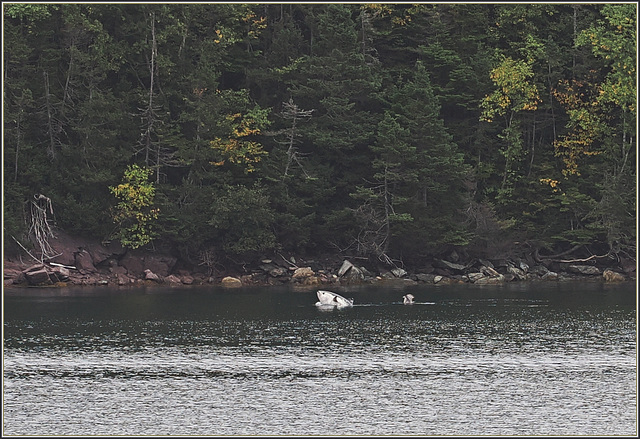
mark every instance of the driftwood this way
{"type": "Point", "coordinates": [552, 258]}
{"type": "Point", "coordinates": [55, 264]}
{"type": "Point", "coordinates": [291, 264]}
{"type": "Point", "coordinates": [539, 258]}
{"type": "Point", "coordinates": [583, 260]}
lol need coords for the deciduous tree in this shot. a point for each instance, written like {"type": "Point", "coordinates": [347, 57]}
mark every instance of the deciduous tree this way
{"type": "Point", "coordinates": [135, 212]}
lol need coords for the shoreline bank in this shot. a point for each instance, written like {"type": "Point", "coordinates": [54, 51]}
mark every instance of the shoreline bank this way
{"type": "Point", "coordinates": [87, 262]}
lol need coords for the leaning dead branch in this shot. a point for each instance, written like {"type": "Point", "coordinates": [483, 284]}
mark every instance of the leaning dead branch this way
{"type": "Point", "coordinates": [26, 251]}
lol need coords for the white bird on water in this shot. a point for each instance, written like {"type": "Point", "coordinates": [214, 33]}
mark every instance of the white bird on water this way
{"type": "Point", "coordinates": [408, 299]}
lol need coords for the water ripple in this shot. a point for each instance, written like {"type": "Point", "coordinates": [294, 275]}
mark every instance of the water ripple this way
{"type": "Point", "coordinates": [516, 365]}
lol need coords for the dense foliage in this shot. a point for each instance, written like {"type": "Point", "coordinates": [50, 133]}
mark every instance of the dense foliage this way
{"type": "Point", "coordinates": [387, 131]}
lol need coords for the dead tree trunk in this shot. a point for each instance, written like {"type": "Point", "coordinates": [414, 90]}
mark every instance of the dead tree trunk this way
{"type": "Point", "coordinates": [293, 113]}
{"type": "Point", "coordinates": [39, 228]}
{"type": "Point", "coordinates": [52, 122]}
{"type": "Point", "coordinates": [148, 113]}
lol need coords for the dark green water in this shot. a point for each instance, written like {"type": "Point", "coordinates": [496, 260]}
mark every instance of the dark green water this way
{"type": "Point", "coordinates": [519, 359]}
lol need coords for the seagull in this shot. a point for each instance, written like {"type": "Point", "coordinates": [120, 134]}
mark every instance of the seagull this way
{"type": "Point", "coordinates": [408, 299]}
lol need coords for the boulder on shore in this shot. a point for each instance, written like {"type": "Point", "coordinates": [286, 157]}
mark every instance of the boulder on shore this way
{"type": "Point", "coordinates": [150, 275]}
{"type": "Point", "coordinates": [585, 270]}
{"type": "Point", "coordinates": [302, 273]}
{"type": "Point", "coordinates": [60, 273]}
{"type": "Point", "coordinates": [231, 281]}
{"type": "Point", "coordinates": [38, 277]}
{"type": "Point", "coordinates": [612, 276]}
{"type": "Point", "coordinates": [350, 273]}
{"type": "Point", "coordinates": [84, 262]}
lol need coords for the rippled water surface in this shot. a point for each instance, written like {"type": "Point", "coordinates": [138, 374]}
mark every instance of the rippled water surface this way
{"type": "Point", "coordinates": [536, 359]}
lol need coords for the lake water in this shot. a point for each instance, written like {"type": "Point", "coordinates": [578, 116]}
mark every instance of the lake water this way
{"type": "Point", "coordinates": [517, 359]}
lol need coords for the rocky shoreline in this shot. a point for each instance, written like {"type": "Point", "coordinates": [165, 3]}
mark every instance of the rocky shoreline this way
{"type": "Point", "coordinates": [90, 263]}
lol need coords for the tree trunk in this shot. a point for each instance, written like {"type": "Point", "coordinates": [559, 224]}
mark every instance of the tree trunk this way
{"type": "Point", "coordinates": [149, 112]}
{"type": "Point", "coordinates": [533, 145]}
{"type": "Point", "coordinates": [51, 128]}
{"type": "Point", "coordinates": [15, 164]}
{"type": "Point", "coordinates": [387, 214]}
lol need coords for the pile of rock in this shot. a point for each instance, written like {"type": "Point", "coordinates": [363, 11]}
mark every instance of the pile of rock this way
{"type": "Point", "coordinates": [37, 274]}
{"type": "Point", "coordinates": [82, 262]}
{"type": "Point", "coordinates": [280, 270]}
{"type": "Point", "coordinates": [440, 271]}
{"type": "Point", "coordinates": [483, 272]}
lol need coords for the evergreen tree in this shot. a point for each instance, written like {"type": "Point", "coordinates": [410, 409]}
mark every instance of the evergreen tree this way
{"type": "Point", "coordinates": [395, 95]}
{"type": "Point", "coordinates": [418, 183]}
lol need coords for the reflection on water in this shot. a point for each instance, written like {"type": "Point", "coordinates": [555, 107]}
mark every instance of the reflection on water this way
{"type": "Point", "coordinates": [537, 359]}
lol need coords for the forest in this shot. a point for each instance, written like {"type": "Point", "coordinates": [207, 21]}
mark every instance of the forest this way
{"type": "Point", "coordinates": [392, 132]}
